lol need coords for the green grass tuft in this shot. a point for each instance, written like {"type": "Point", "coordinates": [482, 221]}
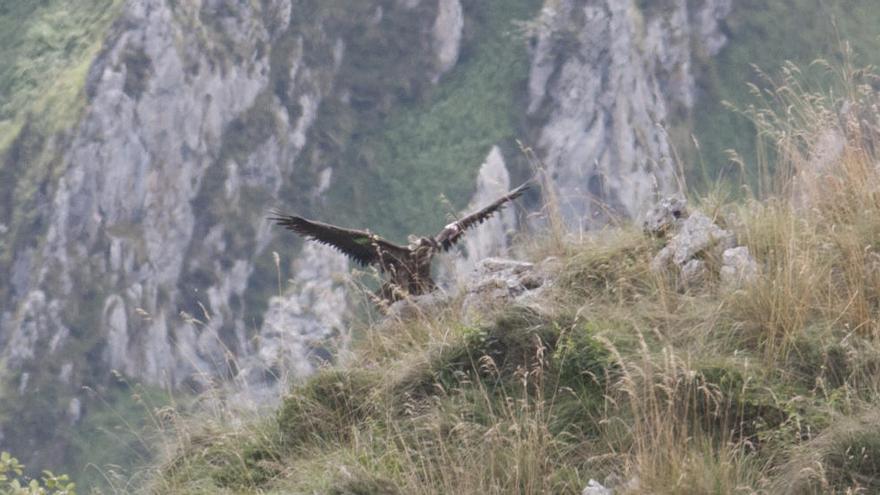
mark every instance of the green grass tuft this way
{"type": "Point", "coordinates": [370, 486]}
{"type": "Point", "coordinates": [327, 407]}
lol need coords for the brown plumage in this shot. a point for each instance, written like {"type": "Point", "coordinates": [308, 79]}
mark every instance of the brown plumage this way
{"type": "Point", "coordinates": [409, 267]}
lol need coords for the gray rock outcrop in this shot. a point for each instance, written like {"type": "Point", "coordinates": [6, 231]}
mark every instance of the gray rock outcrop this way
{"type": "Point", "coordinates": [595, 488]}
{"type": "Point", "coordinates": [491, 238]}
{"type": "Point", "coordinates": [498, 282]}
{"type": "Point", "coordinates": [665, 216]}
{"type": "Point", "coordinates": [738, 267]}
{"type": "Point", "coordinates": [155, 235]}
{"type": "Point", "coordinates": [298, 324]}
{"type": "Point", "coordinates": [695, 246]}
{"type": "Point", "coordinates": [697, 235]}
{"type": "Point", "coordinates": [447, 35]}
{"type": "Point", "coordinates": [128, 201]}
{"type": "Point", "coordinates": [606, 78]}
{"type": "Point", "coordinates": [491, 284]}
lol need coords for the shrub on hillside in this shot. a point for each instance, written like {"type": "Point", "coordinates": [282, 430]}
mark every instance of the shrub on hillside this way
{"type": "Point", "coordinates": [13, 482]}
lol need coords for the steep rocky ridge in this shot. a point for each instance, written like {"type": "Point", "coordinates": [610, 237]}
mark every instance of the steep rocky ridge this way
{"type": "Point", "coordinates": [607, 81]}
{"type": "Point", "coordinates": [150, 253]}
{"type": "Point", "coordinates": [492, 238]}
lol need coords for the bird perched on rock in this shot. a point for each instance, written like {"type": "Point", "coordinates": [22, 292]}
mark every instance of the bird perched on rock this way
{"type": "Point", "coordinates": [409, 267]}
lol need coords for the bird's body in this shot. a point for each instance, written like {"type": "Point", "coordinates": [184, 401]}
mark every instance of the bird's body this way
{"type": "Point", "coordinates": [410, 274]}
{"type": "Point", "coordinates": [408, 267]}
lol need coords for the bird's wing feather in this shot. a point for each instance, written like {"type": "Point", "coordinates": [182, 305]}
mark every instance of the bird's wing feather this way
{"type": "Point", "coordinates": [361, 246]}
{"type": "Point", "coordinates": [453, 232]}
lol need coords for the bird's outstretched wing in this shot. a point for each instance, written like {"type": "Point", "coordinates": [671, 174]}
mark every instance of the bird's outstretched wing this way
{"type": "Point", "coordinates": [361, 246]}
{"type": "Point", "coordinates": [453, 232]}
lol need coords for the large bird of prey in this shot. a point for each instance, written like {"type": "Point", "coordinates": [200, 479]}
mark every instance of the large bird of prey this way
{"type": "Point", "coordinates": [409, 267]}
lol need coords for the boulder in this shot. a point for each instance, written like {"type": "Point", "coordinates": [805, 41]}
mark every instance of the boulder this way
{"type": "Point", "coordinates": [497, 281]}
{"type": "Point", "coordinates": [697, 236]}
{"type": "Point", "coordinates": [595, 488]}
{"type": "Point", "coordinates": [693, 239]}
{"type": "Point", "coordinates": [738, 267]}
{"type": "Point", "coordinates": [666, 216]}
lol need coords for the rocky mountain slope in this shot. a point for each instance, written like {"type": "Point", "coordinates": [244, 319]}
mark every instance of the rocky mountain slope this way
{"type": "Point", "coordinates": [133, 228]}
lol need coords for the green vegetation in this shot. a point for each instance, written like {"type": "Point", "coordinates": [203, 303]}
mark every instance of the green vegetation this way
{"type": "Point", "coordinates": [102, 451]}
{"type": "Point", "coordinates": [762, 35]}
{"type": "Point", "coordinates": [615, 373]}
{"type": "Point", "coordinates": [114, 439]}
{"type": "Point", "coordinates": [13, 483]}
{"type": "Point", "coordinates": [46, 49]}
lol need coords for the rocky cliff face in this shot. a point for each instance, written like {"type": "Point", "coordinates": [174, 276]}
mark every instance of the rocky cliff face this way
{"type": "Point", "coordinates": [152, 255]}
{"type": "Point", "coordinates": [607, 80]}
{"type": "Point", "coordinates": [198, 113]}
{"type": "Point", "coordinates": [492, 238]}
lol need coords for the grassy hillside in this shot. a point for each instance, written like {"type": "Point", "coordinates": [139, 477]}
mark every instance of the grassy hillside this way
{"type": "Point", "coordinates": [616, 373]}
{"type": "Point", "coordinates": [45, 50]}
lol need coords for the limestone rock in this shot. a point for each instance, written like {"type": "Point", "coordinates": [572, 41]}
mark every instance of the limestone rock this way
{"type": "Point", "coordinates": [595, 488]}
{"type": "Point", "coordinates": [694, 272]}
{"type": "Point", "coordinates": [708, 17]}
{"type": "Point", "coordinates": [738, 267]}
{"type": "Point", "coordinates": [605, 78]}
{"type": "Point", "coordinates": [697, 235]}
{"type": "Point", "coordinates": [492, 237]}
{"type": "Point", "coordinates": [298, 323]}
{"type": "Point", "coordinates": [447, 35]}
{"type": "Point", "coordinates": [115, 326]}
{"type": "Point", "coordinates": [666, 216]}
{"type": "Point", "coordinates": [691, 241]}
{"type": "Point", "coordinates": [498, 281]}
{"type": "Point", "coordinates": [39, 318]}
{"type": "Point", "coordinates": [74, 411]}
{"type": "Point", "coordinates": [132, 216]}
